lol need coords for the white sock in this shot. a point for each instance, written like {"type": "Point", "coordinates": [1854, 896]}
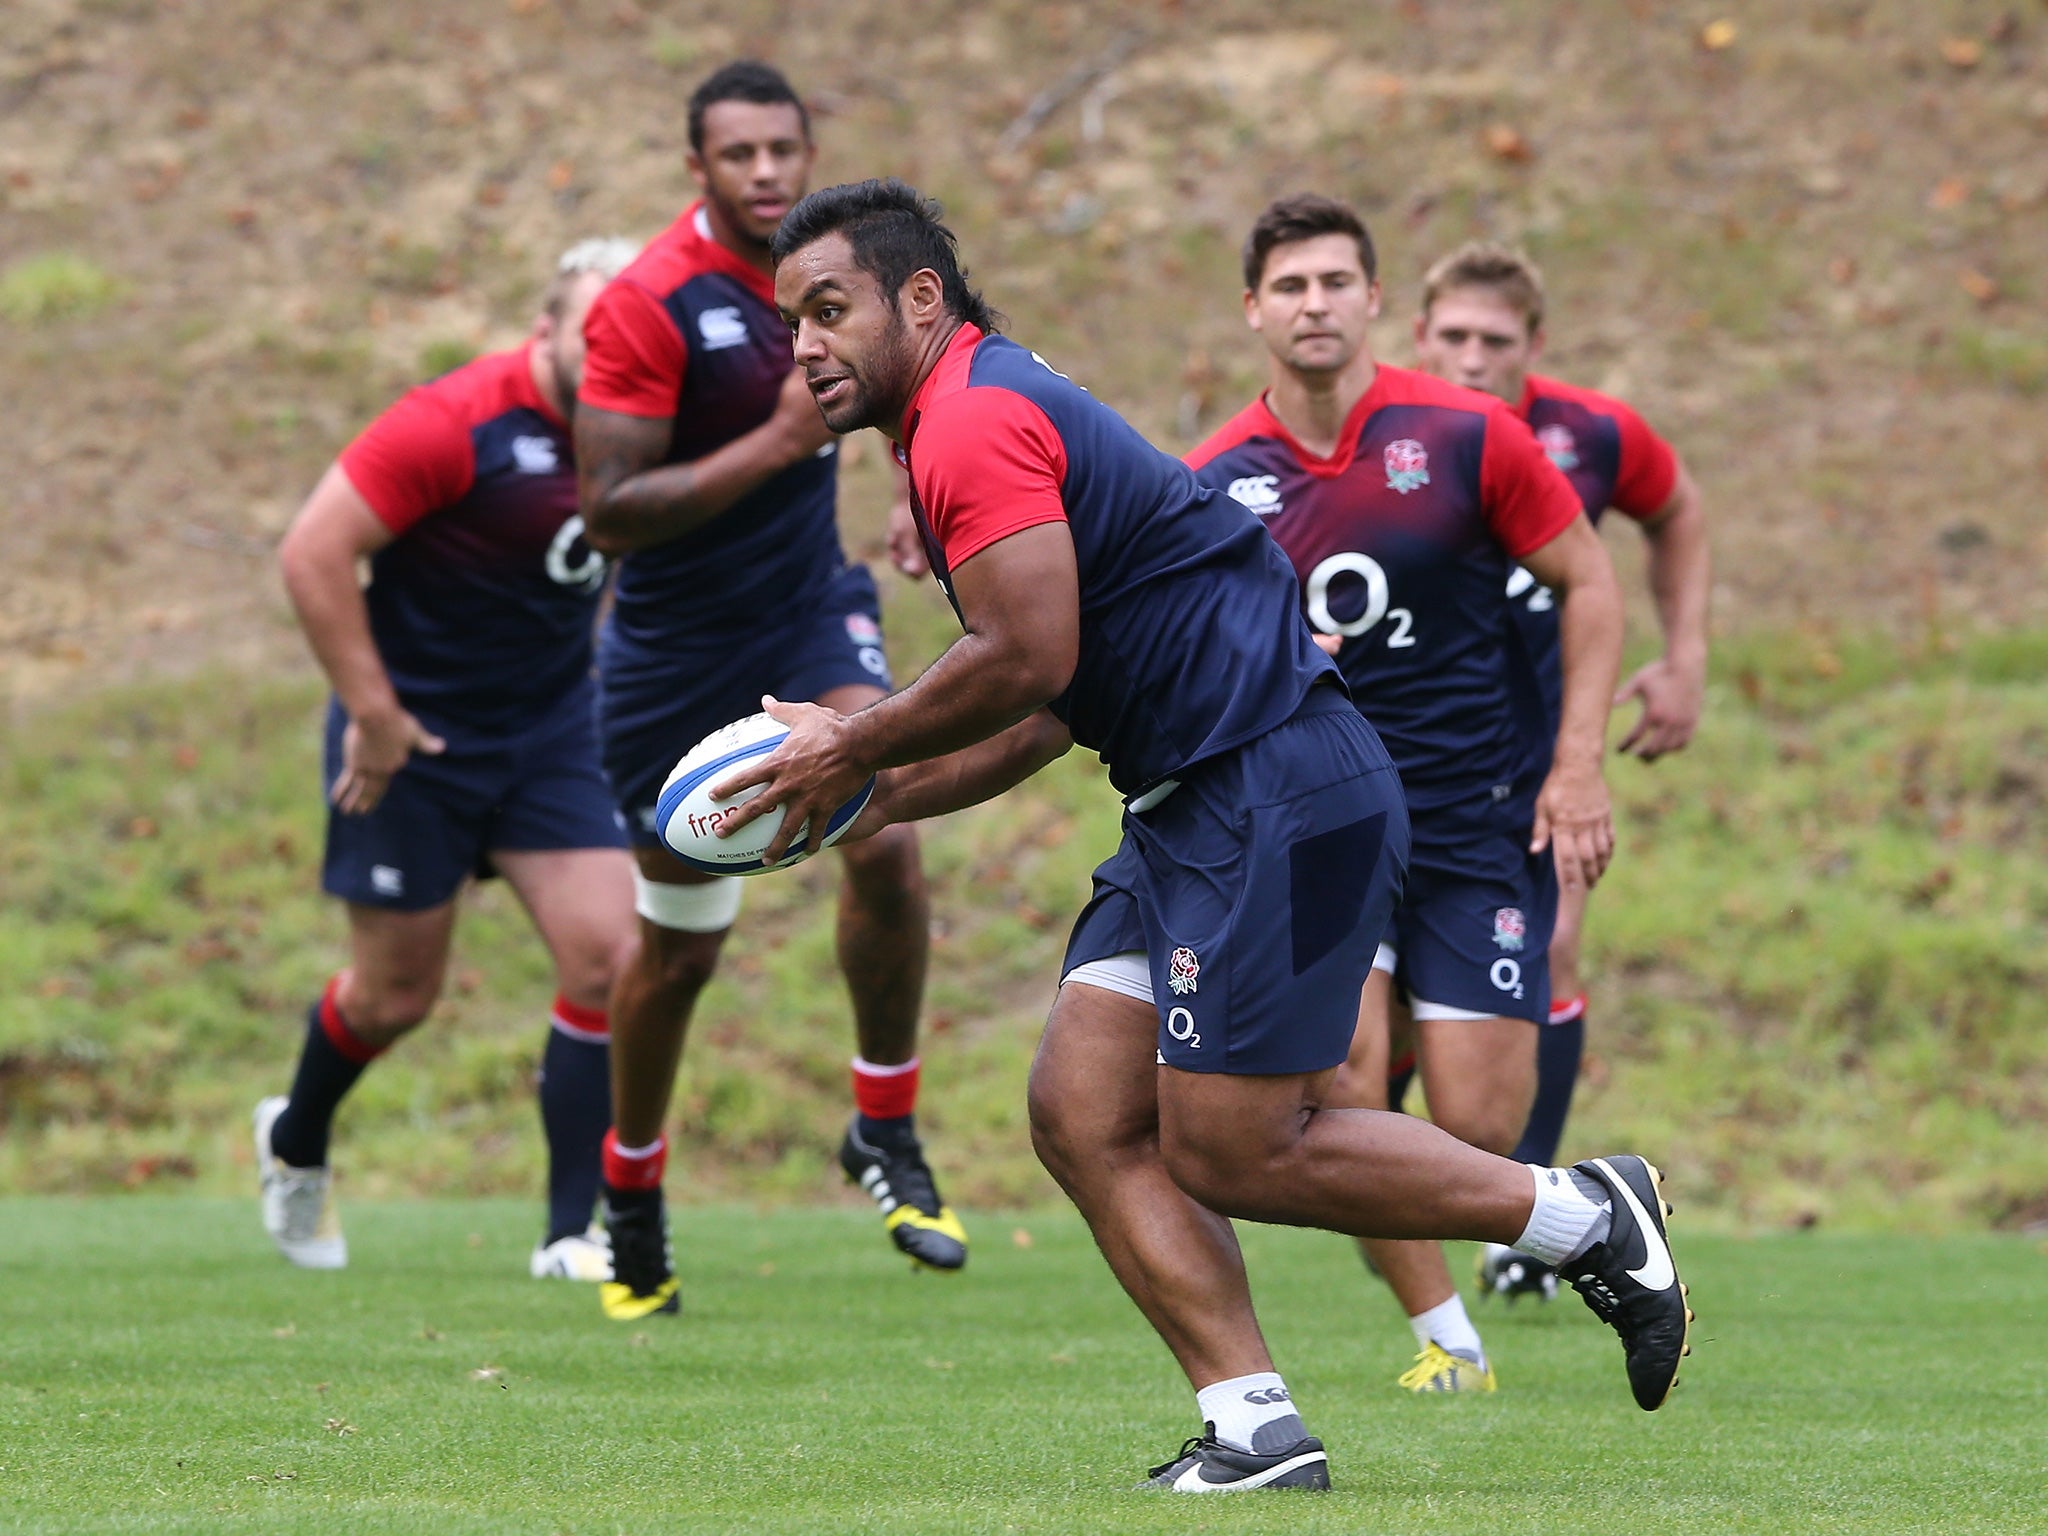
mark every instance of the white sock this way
{"type": "Point", "coordinates": [1566, 1220]}
{"type": "Point", "coordinates": [1247, 1409]}
{"type": "Point", "coordinates": [1447, 1325]}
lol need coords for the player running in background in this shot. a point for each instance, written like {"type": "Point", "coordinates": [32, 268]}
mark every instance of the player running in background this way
{"type": "Point", "coordinates": [1481, 325]}
{"type": "Point", "coordinates": [1211, 985]}
{"type": "Point", "coordinates": [706, 471]}
{"type": "Point", "coordinates": [460, 743]}
{"type": "Point", "coordinates": [1403, 504]}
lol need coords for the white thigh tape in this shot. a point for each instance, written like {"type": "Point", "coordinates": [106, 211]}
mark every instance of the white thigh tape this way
{"type": "Point", "coordinates": [1128, 974]}
{"type": "Point", "coordinates": [1426, 1012]}
{"type": "Point", "coordinates": [708, 908]}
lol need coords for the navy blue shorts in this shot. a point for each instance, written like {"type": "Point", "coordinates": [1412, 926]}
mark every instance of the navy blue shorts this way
{"type": "Point", "coordinates": [1472, 931]}
{"type": "Point", "coordinates": [653, 706]}
{"type": "Point", "coordinates": [442, 817]}
{"type": "Point", "coordinates": [1258, 891]}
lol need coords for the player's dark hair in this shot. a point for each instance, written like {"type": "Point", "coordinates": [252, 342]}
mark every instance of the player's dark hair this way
{"type": "Point", "coordinates": [744, 80]}
{"type": "Point", "coordinates": [1502, 269]}
{"type": "Point", "coordinates": [1305, 215]}
{"type": "Point", "coordinates": [895, 231]}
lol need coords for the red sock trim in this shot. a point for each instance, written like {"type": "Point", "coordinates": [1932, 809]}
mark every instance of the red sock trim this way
{"type": "Point", "coordinates": [885, 1093]}
{"type": "Point", "coordinates": [1405, 1064]}
{"type": "Point", "coordinates": [1571, 1008]}
{"type": "Point", "coordinates": [638, 1172]}
{"type": "Point", "coordinates": [350, 1045]}
{"type": "Point", "coordinates": [580, 1023]}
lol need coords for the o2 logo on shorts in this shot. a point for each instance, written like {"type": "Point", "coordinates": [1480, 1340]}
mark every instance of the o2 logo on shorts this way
{"type": "Point", "coordinates": [586, 574]}
{"type": "Point", "coordinates": [1180, 1024]}
{"type": "Point", "coordinates": [1506, 976]}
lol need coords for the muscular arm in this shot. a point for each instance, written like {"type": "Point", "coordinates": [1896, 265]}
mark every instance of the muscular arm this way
{"type": "Point", "coordinates": [1673, 687]}
{"type": "Point", "coordinates": [1572, 807]}
{"type": "Point", "coordinates": [630, 499]}
{"type": "Point", "coordinates": [1020, 600]}
{"type": "Point", "coordinates": [334, 530]}
{"type": "Point", "coordinates": [981, 772]}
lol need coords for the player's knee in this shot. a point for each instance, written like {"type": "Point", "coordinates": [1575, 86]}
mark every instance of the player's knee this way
{"type": "Point", "coordinates": [679, 964]}
{"type": "Point", "coordinates": [379, 1013]}
{"type": "Point", "coordinates": [585, 971]}
{"type": "Point", "coordinates": [887, 868]}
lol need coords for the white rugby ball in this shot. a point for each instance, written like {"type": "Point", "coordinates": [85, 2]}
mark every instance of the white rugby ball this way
{"type": "Point", "coordinates": [687, 819]}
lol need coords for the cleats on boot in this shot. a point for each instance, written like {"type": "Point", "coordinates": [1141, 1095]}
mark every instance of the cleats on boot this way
{"type": "Point", "coordinates": [298, 1203]}
{"type": "Point", "coordinates": [1206, 1465]}
{"type": "Point", "coordinates": [1630, 1281]}
{"type": "Point", "coordinates": [897, 1179]}
{"type": "Point", "coordinates": [1438, 1369]}
{"type": "Point", "coordinates": [1508, 1274]}
{"type": "Point", "coordinates": [642, 1282]}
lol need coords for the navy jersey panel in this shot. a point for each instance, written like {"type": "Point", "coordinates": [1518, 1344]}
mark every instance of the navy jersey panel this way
{"type": "Point", "coordinates": [442, 816]}
{"type": "Point", "coordinates": [655, 704]}
{"type": "Point", "coordinates": [1258, 891]}
{"type": "Point", "coordinates": [1191, 640]}
{"type": "Point", "coordinates": [1396, 550]}
{"type": "Point", "coordinates": [1474, 932]}
{"type": "Point", "coordinates": [690, 333]}
{"type": "Point", "coordinates": [1612, 459]}
{"type": "Point", "coordinates": [482, 606]}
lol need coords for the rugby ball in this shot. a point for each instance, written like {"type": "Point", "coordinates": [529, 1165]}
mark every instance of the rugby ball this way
{"type": "Point", "coordinates": [688, 820]}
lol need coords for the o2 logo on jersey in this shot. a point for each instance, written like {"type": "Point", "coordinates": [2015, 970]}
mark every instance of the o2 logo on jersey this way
{"type": "Point", "coordinates": [721, 328]}
{"type": "Point", "coordinates": [1368, 570]}
{"type": "Point", "coordinates": [1559, 444]}
{"type": "Point", "coordinates": [586, 573]}
{"type": "Point", "coordinates": [1407, 464]}
{"type": "Point", "coordinates": [1258, 494]}
{"type": "Point", "coordinates": [536, 455]}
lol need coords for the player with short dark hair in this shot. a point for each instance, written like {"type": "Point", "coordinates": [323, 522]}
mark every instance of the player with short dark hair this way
{"type": "Point", "coordinates": [459, 743]}
{"type": "Point", "coordinates": [1403, 503]}
{"type": "Point", "coordinates": [706, 471]}
{"type": "Point", "coordinates": [1481, 325]}
{"type": "Point", "coordinates": [1211, 985]}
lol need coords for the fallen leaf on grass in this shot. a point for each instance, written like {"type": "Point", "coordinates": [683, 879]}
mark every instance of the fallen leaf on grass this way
{"type": "Point", "coordinates": [289, 1330]}
{"type": "Point", "coordinates": [1842, 271]}
{"type": "Point", "coordinates": [340, 1427]}
{"type": "Point", "coordinates": [1021, 1238]}
{"type": "Point", "coordinates": [1717, 35]}
{"type": "Point", "coordinates": [1978, 285]}
{"type": "Point", "coordinates": [1962, 52]}
{"type": "Point", "coordinates": [1505, 142]}
{"type": "Point", "coordinates": [1949, 192]}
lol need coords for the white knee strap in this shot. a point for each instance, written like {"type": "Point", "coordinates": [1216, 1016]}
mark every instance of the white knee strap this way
{"type": "Point", "coordinates": [708, 908]}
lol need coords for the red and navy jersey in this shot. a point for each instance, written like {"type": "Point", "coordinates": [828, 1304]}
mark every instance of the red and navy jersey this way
{"type": "Point", "coordinates": [482, 606]}
{"type": "Point", "coordinates": [1190, 639]}
{"type": "Point", "coordinates": [689, 334]}
{"type": "Point", "coordinates": [1402, 541]}
{"type": "Point", "coordinates": [1612, 459]}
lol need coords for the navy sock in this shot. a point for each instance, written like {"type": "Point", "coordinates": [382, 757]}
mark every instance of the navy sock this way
{"type": "Point", "coordinates": [1558, 1049]}
{"type": "Point", "coordinates": [576, 1111]}
{"type": "Point", "coordinates": [326, 1073]}
{"type": "Point", "coordinates": [1398, 1083]}
{"type": "Point", "coordinates": [893, 1132]}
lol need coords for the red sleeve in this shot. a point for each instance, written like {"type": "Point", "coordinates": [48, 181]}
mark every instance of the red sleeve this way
{"type": "Point", "coordinates": [987, 464]}
{"type": "Point", "coordinates": [414, 459]}
{"type": "Point", "coordinates": [1649, 469]}
{"type": "Point", "coordinates": [635, 360]}
{"type": "Point", "coordinates": [1524, 497]}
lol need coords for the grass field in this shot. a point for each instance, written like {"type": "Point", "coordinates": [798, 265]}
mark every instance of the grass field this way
{"type": "Point", "coordinates": [163, 1371]}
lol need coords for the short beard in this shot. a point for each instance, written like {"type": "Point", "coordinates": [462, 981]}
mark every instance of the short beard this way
{"type": "Point", "coordinates": [881, 391]}
{"type": "Point", "coordinates": [739, 221]}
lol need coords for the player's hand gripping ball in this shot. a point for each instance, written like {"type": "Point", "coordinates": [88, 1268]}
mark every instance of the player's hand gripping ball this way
{"type": "Point", "coordinates": [688, 820]}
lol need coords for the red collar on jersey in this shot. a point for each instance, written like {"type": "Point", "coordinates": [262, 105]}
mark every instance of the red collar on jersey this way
{"type": "Point", "coordinates": [948, 374]}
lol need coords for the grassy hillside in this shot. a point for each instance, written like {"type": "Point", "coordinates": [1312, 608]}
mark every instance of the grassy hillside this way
{"type": "Point", "coordinates": [1805, 240]}
{"type": "Point", "coordinates": [1816, 963]}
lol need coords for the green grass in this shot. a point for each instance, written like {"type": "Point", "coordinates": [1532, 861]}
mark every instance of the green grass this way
{"type": "Point", "coordinates": [1819, 991]}
{"type": "Point", "coordinates": [163, 1371]}
{"type": "Point", "coordinates": [57, 285]}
